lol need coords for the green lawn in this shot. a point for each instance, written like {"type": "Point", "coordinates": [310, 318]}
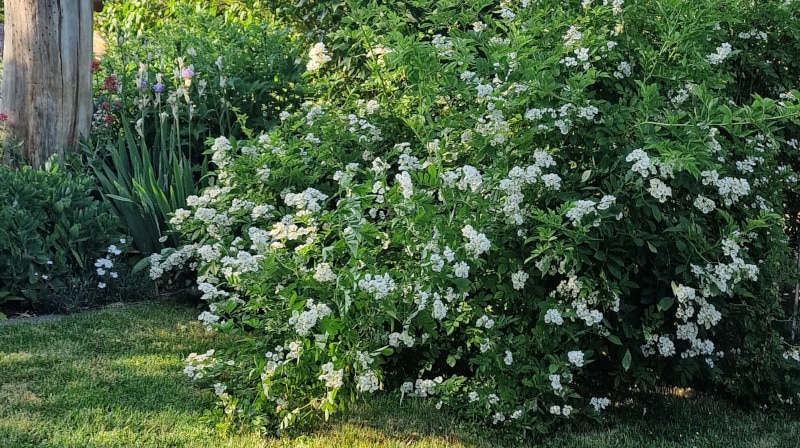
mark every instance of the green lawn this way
{"type": "Point", "coordinates": [113, 379]}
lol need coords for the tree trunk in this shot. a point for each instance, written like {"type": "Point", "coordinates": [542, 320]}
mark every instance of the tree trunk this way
{"type": "Point", "coordinates": [47, 85]}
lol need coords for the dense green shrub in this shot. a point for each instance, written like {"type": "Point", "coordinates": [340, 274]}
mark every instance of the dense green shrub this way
{"type": "Point", "coordinates": [52, 232]}
{"type": "Point", "coordinates": [512, 194]}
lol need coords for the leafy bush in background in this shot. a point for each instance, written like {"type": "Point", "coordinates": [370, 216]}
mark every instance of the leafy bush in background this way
{"type": "Point", "coordinates": [52, 232]}
{"type": "Point", "coordinates": [514, 193]}
{"type": "Point", "coordinates": [176, 73]}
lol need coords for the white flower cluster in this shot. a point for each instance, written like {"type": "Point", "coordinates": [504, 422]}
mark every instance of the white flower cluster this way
{"type": "Point", "coordinates": [161, 263]}
{"type": "Point", "coordinates": [367, 382]}
{"type": "Point", "coordinates": [222, 152]}
{"type": "Point", "coordinates": [208, 319]}
{"type": "Point", "coordinates": [439, 309]}
{"type": "Point", "coordinates": [324, 273]}
{"type": "Point", "coordinates": [553, 316]}
{"type": "Point", "coordinates": [331, 377]}
{"type": "Point", "coordinates": [579, 210]}
{"type": "Point", "coordinates": [305, 321]}
{"type": "Point", "coordinates": [509, 358]}
{"type": "Point", "coordinates": [730, 188]}
{"type": "Point", "coordinates": [210, 291]}
{"type": "Point", "coordinates": [572, 37]}
{"type": "Point", "coordinates": [599, 403]}
{"type": "Point", "coordinates": [518, 279]}
{"type": "Point", "coordinates": [478, 243]}
{"type": "Point", "coordinates": [461, 269]}
{"type": "Point", "coordinates": [520, 177]}
{"type": "Point", "coordinates": [463, 178]}
{"type": "Point", "coordinates": [242, 263]}
{"type": "Point", "coordinates": [406, 187]}
{"type": "Point", "coordinates": [317, 57]}
{"type": "Point", "coordinates": [724, 276]}
{"type": "Point", "coordinates": [646, 166]}
{"type": "Point", "coordinates": [366, 131]}
{"type": "Point", "coordinates": [659, 190]}
{"type": "Point", "coordinates": [616, 6]}
{"type": "Point", "coordinates": [664, 345]}
{"type": "Point", "coordinates": [723, 51]}
{"type": "Point", "coordinates": [407, 162]}
{"type": "Point", "coordinates": [566, 410]}
{"type": "Point", "coordinates": [705, 204]}
{"type": "Point", "coordinates": [274, 360]}
{"type": "Point", "coordinates": [485, 322]}
{"type": "Point", "coordinates": [753, 34]}
{"type": "Point", "coordinates": [576, 358]}
{"type": "Point", "coordinates": [379, 285]}
{"type": "Point", "coordinates": [197, 364]}
{"type": "Point", "coordinates": [422, 388]}
{"type": "Point", "coordinates": [443, 45]}
{"type": "Point", "coordinates": [396, 338]}
{"type": "Point", "coordinates": [623, 70]}
{"type": "Point", "coordinates": [307, 200]}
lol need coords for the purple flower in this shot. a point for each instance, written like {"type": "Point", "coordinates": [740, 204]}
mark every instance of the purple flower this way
{"type": "Point", "coordinates": [158, 87]}
{"type": "Point", "coordinates": [143, 85]}
{"type": "Point", "coordinates": [187, 73]}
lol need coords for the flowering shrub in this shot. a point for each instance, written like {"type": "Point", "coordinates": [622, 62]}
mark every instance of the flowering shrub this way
{"type": "Point", "coordinates": [503, 203]}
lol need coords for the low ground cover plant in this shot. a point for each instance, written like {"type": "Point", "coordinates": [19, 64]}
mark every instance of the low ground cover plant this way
{"type": "Point", "coordinates": [495, 206]}
{"type": "Point", "coordinates": [62, 248]}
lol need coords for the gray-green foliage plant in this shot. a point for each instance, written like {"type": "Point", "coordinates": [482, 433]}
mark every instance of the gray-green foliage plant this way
{"type": "Point", "coordinates": [52, 230]}
{"type": "Point", "coordinates": [518, 208]}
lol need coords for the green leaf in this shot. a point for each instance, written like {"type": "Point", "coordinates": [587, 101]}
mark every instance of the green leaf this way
{"type": "Point", "coordinates": [626, 360]}
{"type": "Point", "coordinates": [665, 303]}
{"type": "Point", "coordinates": [451, 360]}
{"type": "Point", "coordinates": [614, 339]}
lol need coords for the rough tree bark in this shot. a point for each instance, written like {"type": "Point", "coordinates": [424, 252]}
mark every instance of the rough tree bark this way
{"type": "Point", "coordinates": [47, 86]}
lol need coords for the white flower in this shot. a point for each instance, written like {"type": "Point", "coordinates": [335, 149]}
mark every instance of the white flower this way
{"type": "Point", "coordinates": [406, 187]}
{"type": "Point", "coordinates": [317, 57]}
{"type": "Point", "coordinates": [478, 243]}
{"type": "Point", "coordinates": [553, 316]}
{"type": "Point", "coordinates": [101, 285]}
{"type": "Point", "coordinates": [219, 388]}
{"type": "Point", "coordinates": [599, 403]}
{"type": "Point", "coordinates": [555, 382]}
{"type": "Point", "coordinates": [437, 262]}
{"type": "Point", "coordinates": [332, 378]}
{"type": "Point", "coordinates": [723, 51]}
{"type": "Point", "coordinates": [509, 358]}
{"type": "Point", "coordinates": [576, 358]}
{"type": "Point", "coordinates": [485, 322]}
{"type": "Point", "coordinates": [439, 310]}
{"type": "Point", "coordinates": [378, 285]}
{"type": "Point", "coordinates": [461, 269]}
{"type": "Point", "coordinates": [367, 382]}
{"type": "Point", "coordinates": [324, 273]}
{"type": "Point", "coordinates": [518, 279]}
{"type": "Point", "coordinates": [623, 70]}
{"type": "Point", "coordinates": [659, 190]}
{"type": "Point", "coordinates": [473, 397]}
